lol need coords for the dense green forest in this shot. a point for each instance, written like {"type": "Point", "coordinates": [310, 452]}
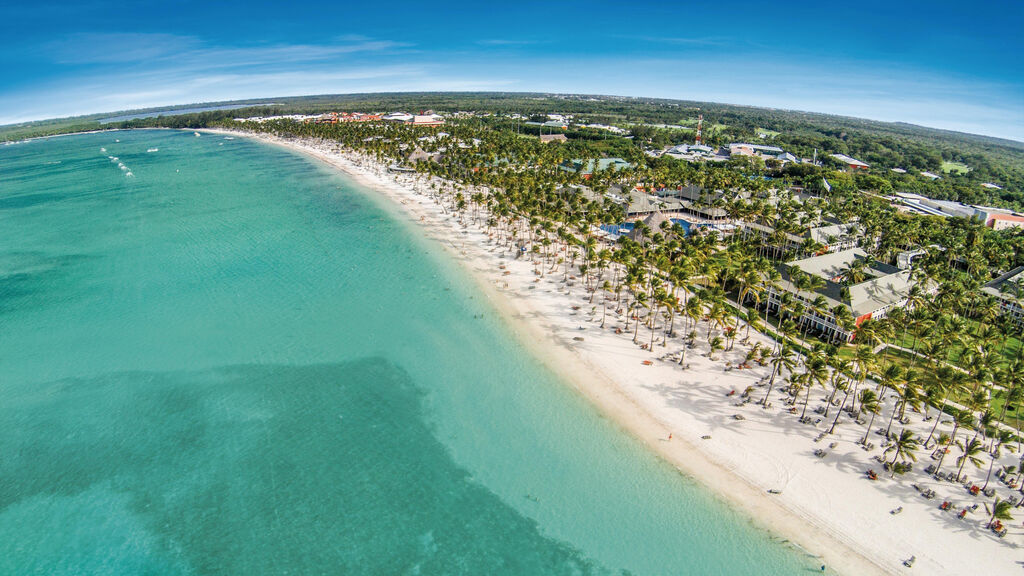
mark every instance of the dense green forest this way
{"type": "Point", "coordinates": [882, 145]}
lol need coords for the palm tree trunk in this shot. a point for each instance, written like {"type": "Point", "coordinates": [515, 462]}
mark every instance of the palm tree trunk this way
{"type": "Point", "coordinates": [868, 431]}
{"type": "Point", "coordinates": [938, 417]}
{"type": "Point", "coordinates": [807, 400]}
{"type": "Point", "coordinates": [963, 462]}
{"type": "Point", "coordinates": [831, 397]}
{"type": "Point", "coordinates": [991, 465]}
{"type": "Point", "coordinates": [838, 413]}
{"type": "Point", "coordinates": [771, 384]}
{"type": "Point", "coordinates": [654, 320]}
{"type": "Point", "coordinates": [895, 408]}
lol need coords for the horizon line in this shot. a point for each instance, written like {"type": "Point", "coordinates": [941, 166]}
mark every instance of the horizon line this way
{"type": "Point", "coordinates": [264, 101]}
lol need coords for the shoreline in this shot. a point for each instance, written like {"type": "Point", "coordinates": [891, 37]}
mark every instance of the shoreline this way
{"type": "Point", "coordinates": [100, 131]}
{"type": "Point", "coordinates": [819, 511]}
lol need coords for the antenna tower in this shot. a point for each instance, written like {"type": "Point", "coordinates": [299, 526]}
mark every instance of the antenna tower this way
{"type": "Point", "coordinates": [700, 124]}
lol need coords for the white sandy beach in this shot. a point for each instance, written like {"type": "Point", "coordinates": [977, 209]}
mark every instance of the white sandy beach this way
{"type": "Point", "coordinates": [826, 505]}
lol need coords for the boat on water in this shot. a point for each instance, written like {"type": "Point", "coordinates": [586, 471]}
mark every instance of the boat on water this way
{"type": "Point", "coordinates": [197, 134]}
{"type": "Point", "coordinates": [153, 150]}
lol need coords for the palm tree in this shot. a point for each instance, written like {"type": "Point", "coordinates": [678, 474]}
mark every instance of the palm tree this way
{"type": "Point", "coordinates": [948, 381]}
{"type": "Point", "coordinates": [841, 369]}
{"type": "Point", "coordinates": [970, 451]}
{"type": "Point", "coordinates": [606, 287]}
{"type": "Point", "coordinates": [1000, 511]}
{"type": "Point", "coordinates": [865, 359]}
{"type": "Point", "coordinates": [783, 359]}
{"type": "Point", "coordinates": [960, 418]}
{"type": "Point", "coordinates": [903, 446]}
{"type": "Point", "coordinates": [998, 442]}
{"type": "Point", "coordinates": [815, 372]}
{"type": "Point", "coordinates": [869, 403]}
{"type": "Point", "coordinates": [639, 301]}
{"type": "Point", "coordinates": [670, 303]}
{"type": "Point", "coordinates": [715, 344]}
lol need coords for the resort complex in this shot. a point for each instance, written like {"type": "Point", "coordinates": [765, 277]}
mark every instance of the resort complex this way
{"type": "Point", "coordinates": [508, 289]}
{"type": "Point", "coordinates": [843, 308]}
{"type": "Point", "coordinates": [776, 319]}
{"type": "Point", "coordinates": [839, 291]}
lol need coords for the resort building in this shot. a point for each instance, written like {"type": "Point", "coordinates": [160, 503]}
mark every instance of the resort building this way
{"type": "Point", "coordinates": [883, 289]}
{"type": "Point", "coordinates": [336, 117]}
{"type": "Point", "coordinates": [761, 151]}
{"type": "Point", "coordinates": [995, 218]}
{"type": "Point", "coordinates": [1009, 290]}
{"type": "Point", "coordinates": [825, 238]}
{"type": "Point", "coordinates": [397, 117]}
{"type": "Point", "coordinates": [695, 201]}
{"type": "Point", "coordinates": [921, 205]}
{"type": "Point", "coordinates": [553, 138]}
{"type": "Point", "coordinates": [1004, 221]}
{"type": "Point", "coordinates": [851, 163]}
{"type": "Point", "coordinates": [427, 119]}
{"type": "Point", "coordinates": [690, 152]}
{"type": "Point", "coordinates": [587, 168]}
{"type": "Point", "coordinates": [609, 128]}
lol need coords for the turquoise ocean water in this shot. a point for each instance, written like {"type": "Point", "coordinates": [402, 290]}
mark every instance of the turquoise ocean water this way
{"type": "Point", "coordinates": [235, 362]}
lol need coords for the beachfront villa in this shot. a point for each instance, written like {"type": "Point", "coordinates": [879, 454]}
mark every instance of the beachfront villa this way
{"type": "Point", "coordinates": [883, 289]}
{"type": "Point", "coordinates": [1008, 289]}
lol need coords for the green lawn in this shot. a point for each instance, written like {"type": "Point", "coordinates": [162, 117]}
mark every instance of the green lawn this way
{"type": "Point", "coordinates": [955, 167]}
{"type": "Point", "coordinates": [767, 133]}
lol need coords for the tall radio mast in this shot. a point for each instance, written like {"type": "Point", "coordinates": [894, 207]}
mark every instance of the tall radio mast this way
{"type": "Point", "coordinates": [700, 124]}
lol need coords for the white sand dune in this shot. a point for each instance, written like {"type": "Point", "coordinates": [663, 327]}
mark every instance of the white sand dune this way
{"type": "Point", "coordinates": [826, 505]}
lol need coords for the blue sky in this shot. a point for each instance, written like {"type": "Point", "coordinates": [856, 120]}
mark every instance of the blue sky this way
{"type": "Point", "coordinates": [941, 64]}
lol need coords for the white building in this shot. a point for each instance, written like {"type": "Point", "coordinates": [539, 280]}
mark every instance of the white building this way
{"type": "Point", "coordinates": [851, 163]}
{"type": "Point", "coordinates": [1009, 290]}
{"type": "Point", "coordinates": [884, 289]}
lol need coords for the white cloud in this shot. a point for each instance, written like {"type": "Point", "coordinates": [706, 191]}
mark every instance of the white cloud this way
{"type": "Point", "coordinates": [187, 51]}
{"type": "Point", "coordinates": [118, 48]}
